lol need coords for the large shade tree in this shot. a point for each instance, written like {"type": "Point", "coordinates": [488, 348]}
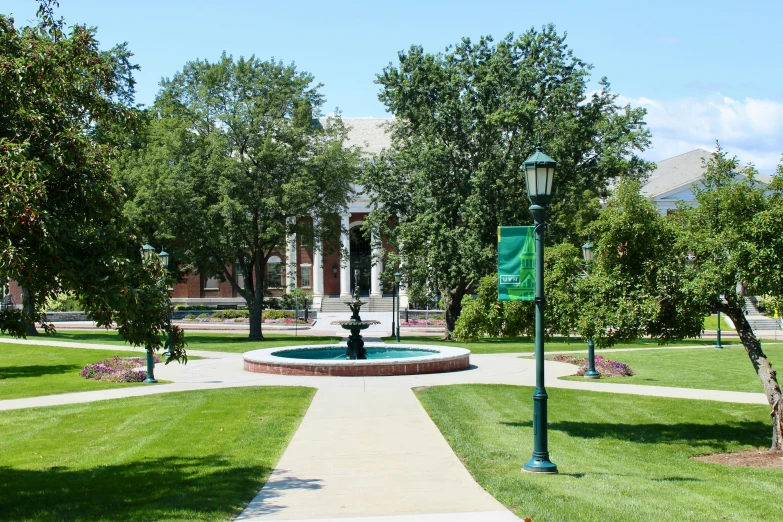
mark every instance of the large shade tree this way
{"type": "Point", "coordinates": [465, 121]}
{"type": "Point", "coordinates": [233, 161]}
{"type": "Point", "coordinates": [61, 223]}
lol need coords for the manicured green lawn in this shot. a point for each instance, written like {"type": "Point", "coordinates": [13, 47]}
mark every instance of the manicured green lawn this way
{"type": "Point", "coordinates": [29, 371]}
{"type": "Point", "coordinates": [199, 455]}
{"type": "Point", "coordinates": [215, 342]}
{"type": "Point", "coordinates": [525, 344]}
{"type": "Point", "coordinates": [621, 457]}
{"type": "Point", "coordinates": [711, 323]}
{"type": "Point", "coordinates": [710, 369]}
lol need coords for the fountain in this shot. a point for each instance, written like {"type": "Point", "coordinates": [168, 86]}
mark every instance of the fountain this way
{"type": "Point", "coordinates": [355, 324]}
{"type": "Point", "coordinates": [376, 359]}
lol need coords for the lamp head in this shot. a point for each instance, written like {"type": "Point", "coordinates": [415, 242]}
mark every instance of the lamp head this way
{"type": "Point", "coordinates": [164, 259]}
{"type": "Point", "coordinates": [147, 251]}
{"type": "Point", "coordinates": [587, 252]}
{"type": "Point", "coordinates": [539, 176]}
{"type": "Point", "coordinates": [397, 277]}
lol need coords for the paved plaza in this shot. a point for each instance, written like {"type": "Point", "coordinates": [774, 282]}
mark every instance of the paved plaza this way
{"type": "Point", "coordinates": [366, 450]}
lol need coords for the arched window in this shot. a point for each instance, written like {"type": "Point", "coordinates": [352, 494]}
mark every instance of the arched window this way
{"type": "Point", "coordinates": [274, 272]}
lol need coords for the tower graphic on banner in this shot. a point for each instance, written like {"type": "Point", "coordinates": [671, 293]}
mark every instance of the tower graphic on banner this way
{"type": "Point", "coordinates": [516, 264]}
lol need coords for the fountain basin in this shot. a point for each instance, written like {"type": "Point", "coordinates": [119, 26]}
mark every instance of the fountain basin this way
{"type": "Point", "coordinates": [382, 360]}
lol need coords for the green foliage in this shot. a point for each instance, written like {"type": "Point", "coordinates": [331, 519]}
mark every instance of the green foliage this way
{"type": "Point", "coordinates": [234, 161]}
{"type": "Point", "coordinates": [637, 283]}
{"type": "Point", "coordinates": [231, 314]}
{"type": "Point", "coordinates": [485, 316]}
{"type": "Point", "coordinates": [465, 122]}
{"type": "Point", "coordinates": [296, 299]}
{"type": "Point", "coordinates": [63, 302]}
{"type": "Point", "coordinates": [64, 103]}
{"type": "Point", "coordinates": [193, 307]}
{"type": "Point", "coordinates": [278, 314]}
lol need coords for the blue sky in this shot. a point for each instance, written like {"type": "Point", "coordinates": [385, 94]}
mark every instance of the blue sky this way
{"type": "Point", "coordinates": [704, 70]}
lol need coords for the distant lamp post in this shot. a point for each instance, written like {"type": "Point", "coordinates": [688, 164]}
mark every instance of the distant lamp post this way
{"type": "Point", "coordinates": [334, 270]}
{"type": "Point", "coordinates": [718, 344]}
{"type": "Point", "coordinates": [356, 274]}
{"type": "Point", "coordinates": [591, 373]}
{"type": "Point", "coordinates": [396, 312]}
{"type": "Point", "coordinates": [539, 175]}
{"type": "Point", "coordinates": [147, 255]}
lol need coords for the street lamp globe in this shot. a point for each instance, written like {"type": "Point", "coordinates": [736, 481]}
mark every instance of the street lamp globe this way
{"type": "Point", "coordinates": [587, 252]}
{"type": "Point", "coordinates": [539, 175]}
{"type": "Point", "coordinates": [164, 258]}
{"type": "Point", "coordinates": [147, 251]}
{"type": "Point", "coordinates": [397, 277]}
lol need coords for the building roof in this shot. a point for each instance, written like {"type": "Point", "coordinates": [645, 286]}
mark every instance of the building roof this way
{"type": "Point", "coordinates": [676, 172]}
{"type": "Point", "coordinates": [370, 134]}
{"type": "Point", "coordinates": [681, 171]}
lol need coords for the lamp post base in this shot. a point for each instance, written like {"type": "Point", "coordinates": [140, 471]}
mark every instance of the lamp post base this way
{"type": "Point", "coordinates": [540, 465]}
{"type": "Point", "coordinates": [592, 374]}
{"type": "Point", "coordinates": [150, 380]}
{"type": "Point", "coordinates": [719, 346]}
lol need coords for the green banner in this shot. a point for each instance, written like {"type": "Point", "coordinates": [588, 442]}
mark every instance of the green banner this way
{"type": "Point", "coordinates": [516, 264]}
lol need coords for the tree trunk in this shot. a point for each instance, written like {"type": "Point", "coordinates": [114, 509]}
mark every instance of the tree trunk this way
{"type": "Point", "coordinates": [453, 306]}
{"type": "Point", "coordinates": [763, 369]}
{"type": "Point", "coordinates": [29, 308]}
{"type": "Point", "coordinates": [255, 310]}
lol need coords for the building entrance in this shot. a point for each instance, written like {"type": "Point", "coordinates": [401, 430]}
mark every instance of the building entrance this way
{"type": "Point", "coordinates": [361, 258]}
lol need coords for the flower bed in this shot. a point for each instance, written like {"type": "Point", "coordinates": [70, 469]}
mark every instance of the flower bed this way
{"type": "Point", "coordinates": [118, 369]}
{"type": "Point", "coordinates": [603, 366]}
{"type": "Point", "coordinates": [423, 322]}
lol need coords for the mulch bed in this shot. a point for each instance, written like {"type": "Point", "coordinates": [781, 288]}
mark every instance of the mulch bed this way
{"type": "Point", "coordinates": [750, 459]}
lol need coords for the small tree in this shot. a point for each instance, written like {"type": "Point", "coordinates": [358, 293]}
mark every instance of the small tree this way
{"type": "Point", "coordinates": [735, 233]}
{"type": "Point", "coordinates": [234, 161]}
{"type": "Point", "coordinates": [465, 122]}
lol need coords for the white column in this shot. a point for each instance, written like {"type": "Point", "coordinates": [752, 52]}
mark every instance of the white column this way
{"type": "Point", "coordinates": [375, 271]}
{"type": "Point", "coordinates": [345, 262]}
{"type": "Point", "coordinates": [291, 261]}
{"type": "Point", "coordinates": [317, 274]}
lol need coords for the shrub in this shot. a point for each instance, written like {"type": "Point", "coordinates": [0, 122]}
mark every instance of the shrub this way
{"type": "Point", "coordinates": [278, 314]}
{"type": "Point", "coordinates": [117, 369]}
{"type": "Point", "coordinates": [203, 316]}
{"type": "Point", "coordinates": [603, 366]}
{"type": "Point", "coordinates": [64, 302]}
{"type": "Point", "coordinates": [193, 307]}
{"type": "Point", "coordinates": [298, 296]}
{"type": "Point", "coordinates": [230, 314]}
{"type": "Point", "coordinates": [190, 317]}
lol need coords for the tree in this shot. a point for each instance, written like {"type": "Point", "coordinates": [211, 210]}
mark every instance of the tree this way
{"type": "Point", "coordinates": [465, 122]}
{"type": "Point", "coordinates": [735, 234]}
{"type": "Point", "coordinates": [61, 225]}
{"type": "Point", "coordinates": [636, 284]}
{"type": "Point", "coordinates": [233, 162]}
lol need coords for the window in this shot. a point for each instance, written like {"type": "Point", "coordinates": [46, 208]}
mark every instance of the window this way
{"type": "Point", "coordinates": [274, 272]}
{"type": "Point", "coordinates": [306, 271]}
{"type": "Point", "coordinates": [211, 283]}
{"type": "Point", "coordinates": [239, 276]}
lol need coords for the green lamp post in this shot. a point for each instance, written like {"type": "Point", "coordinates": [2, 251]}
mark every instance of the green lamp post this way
{"type": "Point", "coordinates": [539, 174]}
{"type": "Point", "coordinates": [718, 344]}
{"type": "Point", "coordinates": [397, 279]}
{"type": "Point", "coordinates": [587, 253]}
{"type": "Point", "coordinates": [164, 262]}
{"type": "Point", "coordinates": [148, 254]}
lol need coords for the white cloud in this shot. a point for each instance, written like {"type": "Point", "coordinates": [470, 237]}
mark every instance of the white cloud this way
{"type": "Point", "coordinates": [751, 129]}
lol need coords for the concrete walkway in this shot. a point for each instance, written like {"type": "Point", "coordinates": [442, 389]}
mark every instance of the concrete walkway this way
{"type": "Point", "coordinates": [366, 449]}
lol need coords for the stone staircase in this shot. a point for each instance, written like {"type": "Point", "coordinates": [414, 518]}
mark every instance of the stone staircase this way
{"type": "Point", "coordinates": [757, 320]}
{"type": "Point", "coordinates": [374, 304]}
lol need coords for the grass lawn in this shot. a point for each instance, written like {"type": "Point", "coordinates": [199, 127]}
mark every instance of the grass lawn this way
{"type": "Point", "coordinates": [215, 342]}
{"type": "Point", "coordinates": [525, 344]}
{"type": "Point", "coordinates": [621, 457]}
{"type": "Point", "coordinates": [199, 455]}
{"type": "Point", "coordinates": [710, 369]}
{"type": "Point", "coordinates": [29, 371]}
{"type": "Point", "coordinates": [711, 323]}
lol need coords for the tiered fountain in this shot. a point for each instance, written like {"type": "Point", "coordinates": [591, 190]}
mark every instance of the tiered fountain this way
{"type": "Point", "coordinates": [355, 324]}
{"type": "Point", "coordinates": [357, 360]}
